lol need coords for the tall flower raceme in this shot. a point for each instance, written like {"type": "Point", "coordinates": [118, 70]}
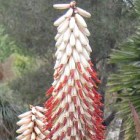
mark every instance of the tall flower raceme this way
{"type": "Point", "coordinates": [32, 124]}
{"type": "Point", "coordinates": [74, 107]}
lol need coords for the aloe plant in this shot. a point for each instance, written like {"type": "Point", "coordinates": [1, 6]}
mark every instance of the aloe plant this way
{"type": "Point", "coordinates": [126, 80]}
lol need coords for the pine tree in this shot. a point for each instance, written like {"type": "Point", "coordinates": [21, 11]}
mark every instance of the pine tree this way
{"type": "Point", "coordinates": [74, 105]}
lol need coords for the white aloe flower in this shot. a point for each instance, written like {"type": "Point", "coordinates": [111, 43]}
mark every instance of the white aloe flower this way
{"type": "Point", "coordinates": [73, 110]}
{"type": "Point", "coordinates": [32, 125]}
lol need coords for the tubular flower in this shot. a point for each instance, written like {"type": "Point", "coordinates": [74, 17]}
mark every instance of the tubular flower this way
{"type": "Point", "coordinates": [32, 125]}
{"type": "Point", "coordinates": [74, 105]}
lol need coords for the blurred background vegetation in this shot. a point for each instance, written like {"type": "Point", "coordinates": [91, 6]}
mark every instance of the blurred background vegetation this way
{"type": "Point", "coordinates": [27, 58]}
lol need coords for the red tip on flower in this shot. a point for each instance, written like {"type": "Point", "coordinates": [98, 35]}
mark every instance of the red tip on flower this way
{"type": "Point", "coordinates": [50, 91]}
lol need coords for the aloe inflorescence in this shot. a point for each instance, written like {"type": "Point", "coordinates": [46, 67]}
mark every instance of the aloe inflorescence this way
{"type": "Point", "coordinates": [74, 105]}
{"type": "Point", "coordinates": [32, 124]}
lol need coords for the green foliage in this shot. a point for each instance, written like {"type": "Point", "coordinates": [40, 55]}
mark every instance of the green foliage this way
{"type": "Point", "coordinates": [22, 64]}
{"type": "Point", "coordinates": [126, 80]}
{"type": "Point", "coordinates": [137, 7]}
{"type": "Point", "coordinates": [7, 46]}
{"type": "Point", "coordinates": [31, 87]}
{"type": "Point", "coordinates": [8, 114]}
{"type": "Point", "coordinates": [32, 84]}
